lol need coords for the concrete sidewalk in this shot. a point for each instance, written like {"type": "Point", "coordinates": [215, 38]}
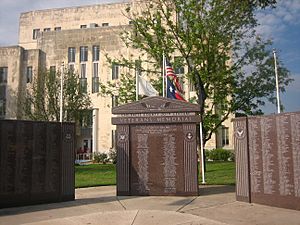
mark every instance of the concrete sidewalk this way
{"type": "Point", "coordinates": [216, 205]}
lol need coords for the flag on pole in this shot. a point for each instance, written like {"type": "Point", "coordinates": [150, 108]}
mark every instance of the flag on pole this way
{"type": "Point", "coordinates": [172, 76]}
{"type": "Point", "coordinates": [145, 87]}
{"type": "Point", "coordinates": [172, 92]}
{"type": "Point", "coordinates": [174, 89]}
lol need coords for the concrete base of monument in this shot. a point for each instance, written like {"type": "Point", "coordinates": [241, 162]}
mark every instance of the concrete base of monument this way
{"type": "Point", "coordinates": [216, 205]}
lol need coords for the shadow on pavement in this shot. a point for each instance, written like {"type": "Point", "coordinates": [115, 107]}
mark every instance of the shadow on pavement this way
{"type": "Point", "coordinates": [56, 205]}
{"type": "Point", "coordinates": [217, 189]}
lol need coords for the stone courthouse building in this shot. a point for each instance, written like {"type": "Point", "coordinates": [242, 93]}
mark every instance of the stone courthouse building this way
{"type": "Point", "coordinates": [79, 37]}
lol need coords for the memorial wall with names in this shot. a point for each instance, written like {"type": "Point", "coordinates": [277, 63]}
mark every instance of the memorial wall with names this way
{"type": "Point", "coordinates": [156, 147]}
{"type": "Point", "coordinates": [34, 158]}
{"type": "Point", "coordinates": [272, 144]}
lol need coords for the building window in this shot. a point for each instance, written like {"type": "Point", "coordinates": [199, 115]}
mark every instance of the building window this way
{"type": "Point", "coordinates": [35, 33]}
{"type": "Point", "coordinates": [138, 67]}
{"type": "Point", "coordinates": [52, 70]}
{"type": "Point", "coordinates": [96, 53]}
{"type": "Point", "coordinates": [179, 68]}
{"type": "Point", "coordinates": [83, 53]}
{"type": "Point", "coordinates": [2, 102]}
{"type": "Point", "coordinates": [95, 84]}
{"type": "Point", "coordinates": [47, 29]}
{"type": "Point", "coordinates": [83, 79]}
{"type": "Point", "coordinates": [113, 138]}
{"type": "Point", "coordinates": [71, 54]}
{"type": "Point", "coordinates": [57, 28]}
{"type": "Point", "coordinates": [181, 22]}
{"type": "Point", "coordinates": [191, 85]}
{"type": "Point", "coordinates": [71, 68]}
{"type": "Point", "coordinates": [115, 71]}
{"type": "Point", "coordinates": [83, 26]}
{"type": "Point", "coordinates": [86, 118]}
{"type": "Point", "coordinates": [105, 24]}
{"type": "Point", "coordinates": [95, 78]}
{"type": "Point", "coordinates": [29, 74]}
{"type": "Point", "coordinates": [83, 70]}
{"type": "Point", "coordinates": [3, 75]}
{"type": "Point", "coordinates": [93, 25]}
{"type": "Point", "coordinates": [114, 100]}
{"type": "Point", "coordinates": [225, 136]}
{"type": "Point", "coordinates": [3, 82]}
{"type": "Point", "coordinates": [83, 85]}
{"type": "Point", "coordinates": [130, 22]}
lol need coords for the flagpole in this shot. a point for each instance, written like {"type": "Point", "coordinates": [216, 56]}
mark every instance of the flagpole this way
{"type": "Point", "coordinates": [202, 154]}
{"type": "Point", "coordinates": [61, 93]}
{"type": "Point", "coordinates": [136, 85]}
{"type": "Point", "coordinates": [277, 85]}
{"type": "Point", "coordinates": [163, 74]}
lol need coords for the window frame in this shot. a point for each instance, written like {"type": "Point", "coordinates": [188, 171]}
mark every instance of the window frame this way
{"type": "Point", "coordinates": [83, 53]}
{"type": "Point", "coordinates": [71, 55]}
{"type": "Point", "coordinates": [29, 74]}
{"type": "Point", "coordinates": [115, 71]}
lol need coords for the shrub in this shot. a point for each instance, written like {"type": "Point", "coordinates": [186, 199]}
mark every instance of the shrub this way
{"type": "Point", "coordinates": [101, 158]}
{"type": "Point", "coordinates": [112, 154]}
{"type": "Point", "coordinates": [220, 155]}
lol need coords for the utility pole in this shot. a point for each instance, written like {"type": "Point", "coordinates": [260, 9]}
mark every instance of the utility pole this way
{"type": "Point", "coordinates": [277, 85]}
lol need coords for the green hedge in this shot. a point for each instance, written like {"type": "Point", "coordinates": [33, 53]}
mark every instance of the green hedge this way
{"type": "Point", "coordinates": [219, 155]}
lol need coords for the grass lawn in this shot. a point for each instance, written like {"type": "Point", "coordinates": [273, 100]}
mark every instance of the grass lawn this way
{"type": "Point", "coordinates": [219, 173]}
{"type": "Point", "coordinates": [99, 174]}
{"type": "Point", "coordinates": [95, 175]}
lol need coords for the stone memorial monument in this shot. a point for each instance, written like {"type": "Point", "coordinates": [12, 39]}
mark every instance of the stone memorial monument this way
{"type": "Point", "coordinates": [268, 159]}
{"type": "Point", "coordinates": [156, 147]}
{"type": "Point", "coordinates": [36, 162]}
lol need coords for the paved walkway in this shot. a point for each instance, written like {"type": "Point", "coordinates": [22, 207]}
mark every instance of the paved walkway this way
{"type": "Point", "coordinates": [216, 205]}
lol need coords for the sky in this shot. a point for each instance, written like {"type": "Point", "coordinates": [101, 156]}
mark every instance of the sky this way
{"type": "Point", "coordinates": [281, 24]}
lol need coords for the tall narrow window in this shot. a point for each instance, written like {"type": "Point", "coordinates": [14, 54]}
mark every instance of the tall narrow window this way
{"type": "Point", "coordinates": [225, 136]}
{"type": "Point", "coordinates": [29, 74]}
{"type": "Point", "coordinates": [3, 75]}
{"type": "Point", "coordinates": [113, 138]}
{"type": "Point", "coordinates": [83, 70]}
{"type": "Point", "coordinates": [35, 33]}
{"type": "Point", "coordinates": [95, 78]}
{"type": "Point", "coordinates": [115, 71]}
{"type": "Point", "coordinates": [2, 100]}
{"type": "Point", "coordinates": [52, 71]}
{"type": "Point", "coordinates": [83, 80]}
{"type": "Point", "coordinates": [83, 53]}
{"type": "Point", "coordinates": [191, 85]}
{"type": "Point", "coordinates": [71, 54]}
{"type": "Point", "coordinates": [179, 68]}
{"type": "Point", "coordinates": [72, 67]}
{"type": "Point", "coordinates": [3, 84]}
{"type": "Point", "coordinates": [96, 53]}
{"type": "Point", "coordinates": [114, 100]}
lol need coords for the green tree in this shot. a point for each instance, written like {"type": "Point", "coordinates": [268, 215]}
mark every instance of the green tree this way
{"type": "Point", "coordinates": [42, 98]}
{"type": "Point", "coordinates": [230, 65]}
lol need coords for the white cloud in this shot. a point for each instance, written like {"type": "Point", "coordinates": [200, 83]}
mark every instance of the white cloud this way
{"type": "Point", "coordinates": [273, 21]}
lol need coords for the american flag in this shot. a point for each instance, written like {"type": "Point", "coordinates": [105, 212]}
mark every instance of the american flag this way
{"type": "Point", "coordinates": [172, 76]}
{"type": "Point", "coordinates": [173, 84]}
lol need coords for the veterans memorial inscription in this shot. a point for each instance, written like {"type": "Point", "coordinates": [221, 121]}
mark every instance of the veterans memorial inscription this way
{"type": "Point", "coordinates": [156, 147]}
{"type": "Point", "coordinates": [271, 151]}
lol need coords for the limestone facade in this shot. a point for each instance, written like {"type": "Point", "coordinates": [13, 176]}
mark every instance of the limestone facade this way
{"type": "Point", "coordinates": [47, 38]}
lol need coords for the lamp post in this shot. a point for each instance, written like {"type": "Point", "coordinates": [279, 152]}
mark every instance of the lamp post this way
{"type": "Point", "coordinates": [277, 85]}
